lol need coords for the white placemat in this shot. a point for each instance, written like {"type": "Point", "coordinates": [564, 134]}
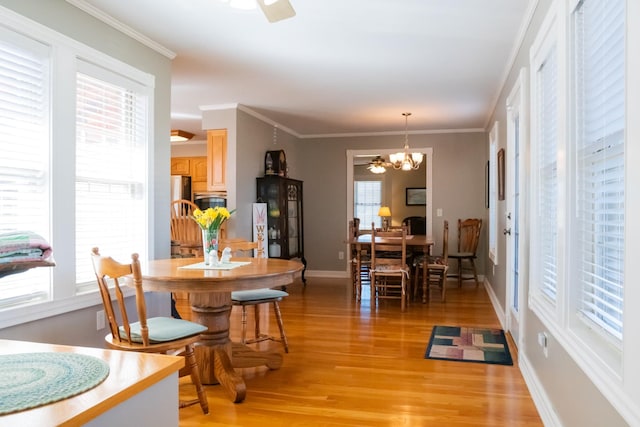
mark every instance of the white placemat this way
{"type": "Point", "coordinates": [224, 266]}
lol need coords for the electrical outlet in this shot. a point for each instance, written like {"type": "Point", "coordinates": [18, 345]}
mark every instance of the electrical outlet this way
{"type": "Point", "coordinates": [100, 320]}
{"type": "Point", "coordinates": [543, 341]}
{"type": "Point", "coordinates": [438, 212]}
{"type": "Point", "coordinates": [340, 255]}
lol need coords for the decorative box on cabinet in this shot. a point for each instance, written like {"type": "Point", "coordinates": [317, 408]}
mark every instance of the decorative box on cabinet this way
{"type": "Point", "coordinates": [283, 197]}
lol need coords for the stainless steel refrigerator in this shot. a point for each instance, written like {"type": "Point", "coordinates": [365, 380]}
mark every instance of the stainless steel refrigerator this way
{"type": "Point", "coordinates": [180, 187]}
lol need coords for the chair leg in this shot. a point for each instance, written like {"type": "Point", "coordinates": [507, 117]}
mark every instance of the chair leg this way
{"type": "Point", "coordinates": [190, 359]}
{"type": "Point", "coordinates": [475, 273]}
{"type": "Point", "coordinates": [459, 272]}
{"type": "Point", "coordinates": [243, 339]}
{"type": "Point", "coordinates": [443, 283]}
{"type": "Point", "coordinates": [256, 312]}
{"type": "Point", "coordinates": [403, 294]}
{"type": "Point", "coordinates": [283, 336]}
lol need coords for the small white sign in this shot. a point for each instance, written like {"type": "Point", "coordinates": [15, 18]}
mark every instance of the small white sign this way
{"type": "Point", "coordinates": [260, 230]}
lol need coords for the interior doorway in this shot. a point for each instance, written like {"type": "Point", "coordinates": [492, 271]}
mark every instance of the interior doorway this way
{"type": "Point", "coordinates": [353, 155]}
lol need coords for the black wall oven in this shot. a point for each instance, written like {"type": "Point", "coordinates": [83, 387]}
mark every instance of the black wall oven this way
{"type": "Point", "coordinates": [209, 200]}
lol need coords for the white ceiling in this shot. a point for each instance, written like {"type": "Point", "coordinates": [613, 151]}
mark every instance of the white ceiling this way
{"type": "Point", "coordinates": [338, 66]}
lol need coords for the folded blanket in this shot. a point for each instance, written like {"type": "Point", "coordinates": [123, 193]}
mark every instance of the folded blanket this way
{"type": "Point", "coordinates": [20, 246]}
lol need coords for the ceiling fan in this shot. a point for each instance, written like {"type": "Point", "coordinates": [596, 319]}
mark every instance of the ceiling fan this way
{"type": "Point", "coordinates": [378, 165]}
{"type": "Point", "coordinates": [274, 10]}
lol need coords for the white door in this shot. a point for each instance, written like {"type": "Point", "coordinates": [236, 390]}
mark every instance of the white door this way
{"type": "Point", "coordinates": [515, 206]}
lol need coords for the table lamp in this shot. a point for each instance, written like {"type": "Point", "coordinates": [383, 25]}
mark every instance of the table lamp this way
{"type": "Point", "coordinates": [385, 213]}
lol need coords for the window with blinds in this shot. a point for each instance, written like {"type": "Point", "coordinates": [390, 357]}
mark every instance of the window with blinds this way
{"type": "Point", "coordinates": [547, 194]}
{"type": "Point", "coordinates": [599, 64]}
{"type": "Point", "coordinates": [367, 199]}
{"type": "Point", "coordinates": [111, 135]}
{"type": "Point", "coordinates": [24, 162]}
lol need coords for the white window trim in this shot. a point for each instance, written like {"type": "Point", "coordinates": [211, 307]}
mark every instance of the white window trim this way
{"type": "Point", "coordinates": [551, 34]}
{"type": "Point", "coordinates": [616, 375]}
{"type": "Point", "coordinates": [65, 54]}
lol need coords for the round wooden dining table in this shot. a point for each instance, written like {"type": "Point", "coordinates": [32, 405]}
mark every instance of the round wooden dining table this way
{"type": "Point", "coordinates": [210, 301]}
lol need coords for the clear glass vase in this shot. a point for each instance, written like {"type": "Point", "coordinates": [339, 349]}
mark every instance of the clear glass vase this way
{"type": "Point", "coordinates": [210, 246]}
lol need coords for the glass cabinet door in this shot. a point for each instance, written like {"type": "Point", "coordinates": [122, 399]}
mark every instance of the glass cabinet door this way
{"type": "Point", "coordinates": [283, 197]}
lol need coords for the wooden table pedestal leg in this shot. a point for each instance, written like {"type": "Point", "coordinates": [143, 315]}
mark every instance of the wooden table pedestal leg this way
{"type": "Point", "coordinates": [217, 356]}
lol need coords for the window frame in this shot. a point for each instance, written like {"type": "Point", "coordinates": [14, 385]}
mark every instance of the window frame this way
{"type": "Point", "coordinates": [366, 225]}
{"type": "Point", "coordinates": [550, 36]}
{"type": "Point", "coordinates": [613, 370]}
{"type": "Point", "coordinates": [66, 53]}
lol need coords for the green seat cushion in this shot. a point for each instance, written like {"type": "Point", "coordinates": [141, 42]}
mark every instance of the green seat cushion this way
{"type": "Point", "coordinates": [258, 295]}
{"type": "Point", "coordinates": [163, 329]}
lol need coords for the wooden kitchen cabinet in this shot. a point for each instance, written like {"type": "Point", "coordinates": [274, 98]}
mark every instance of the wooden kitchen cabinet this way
{"type": "Point", "coordinates": [195, 167]}
{"type": "Point", "coordinates": [180, 166]}
{"type": "Point", "coordinates": [217, 160]}
{"type": "Point", "coordinates": [198, 169]}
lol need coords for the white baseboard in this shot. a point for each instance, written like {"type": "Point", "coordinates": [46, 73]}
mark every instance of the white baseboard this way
{"type": "Point", "coordinates": [328, 274]}
{"type": "Point", "coordinates": [540, 398]}
{"type": "Point", "coordinates": [502, 318]}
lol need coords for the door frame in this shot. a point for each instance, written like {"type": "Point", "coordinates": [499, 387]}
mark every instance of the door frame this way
{"type": "Point", "coordinates": [516, 105]}
{"type": "Point", "coordinates": [428, 163]}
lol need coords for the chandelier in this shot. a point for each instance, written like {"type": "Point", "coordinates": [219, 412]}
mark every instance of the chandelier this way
{"type": "Point", "coordinates": [405, 160]}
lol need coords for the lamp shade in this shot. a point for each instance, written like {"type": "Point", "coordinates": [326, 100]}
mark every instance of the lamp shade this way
{"type": "Point", "coordinates": [384, 211]}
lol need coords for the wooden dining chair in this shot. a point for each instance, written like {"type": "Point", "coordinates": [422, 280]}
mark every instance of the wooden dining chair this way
{"type": "Point", "coordinates": [468, 239]}
{"type": "Point", "coordinates": [186, 234]}
{"type": "Point", "coordinates": [433, 269]}
{"type": "Point", "coordinates": [359, 261]}
{"type": "Point", "coordinates": [256, 298]}
{"type": "Point", "coordinates": [389, 271]}
{"type": "Point", "coordinates": [164, 335]}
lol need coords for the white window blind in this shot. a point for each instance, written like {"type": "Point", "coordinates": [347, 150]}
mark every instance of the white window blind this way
{"type": "Point", "coordinates": [368, 199]}
{"type": "Point", "coordinates": [547, 195]}
{"type": "Point", "coordinates": [111, 128]}
{"type": "Point", "coordinates": [599, 63]}
{"type": "Point", "coordinates": [24, 156]}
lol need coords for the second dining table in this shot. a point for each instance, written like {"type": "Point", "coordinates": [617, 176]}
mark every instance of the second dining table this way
{"type": "Point", "coordinates": [210, 300]}
{"type": "Point", "coordinates": [363, 241]}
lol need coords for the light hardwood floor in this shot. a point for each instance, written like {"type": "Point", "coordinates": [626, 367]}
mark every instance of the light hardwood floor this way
{"type": "Point", "coordinates": [353, 365]}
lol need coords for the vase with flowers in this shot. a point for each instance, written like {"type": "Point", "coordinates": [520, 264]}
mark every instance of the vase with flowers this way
{"type": "Point", "coordinates": [210, 221]}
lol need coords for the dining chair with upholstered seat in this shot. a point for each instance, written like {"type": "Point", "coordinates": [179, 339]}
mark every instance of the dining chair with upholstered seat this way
{"type": "Point", "coordinates": [389, 271]}
{"type": "Point", "coordinates": [468, 239]}
{"type": "Point", "coordinates": [433, 269]}
{"type": "Point", "coordinates": [256, 298]}
{"type": "Point", "coordinates": [163, 335]}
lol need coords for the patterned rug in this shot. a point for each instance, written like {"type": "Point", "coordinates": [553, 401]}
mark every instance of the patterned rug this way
{"type": "Point", "coordinates": [29, 380]}
{"type": "Point", "coordinates": [469, 345]}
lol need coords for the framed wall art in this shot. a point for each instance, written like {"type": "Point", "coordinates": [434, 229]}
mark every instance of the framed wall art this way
{"type": "Point", "coordinates": [416, 196]}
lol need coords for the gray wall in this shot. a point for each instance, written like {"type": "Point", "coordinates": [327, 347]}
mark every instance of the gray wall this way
{"type": "Point", "coordinates": [79, 327]}
{"type": "Point", "coordinates": [459, 161]}
{"type": "Point", "coordinates": [574, 398]}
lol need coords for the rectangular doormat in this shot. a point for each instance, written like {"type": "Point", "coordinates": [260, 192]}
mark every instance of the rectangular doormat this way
{"type": "Point", "coordinates": [469, 345]}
